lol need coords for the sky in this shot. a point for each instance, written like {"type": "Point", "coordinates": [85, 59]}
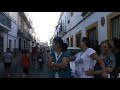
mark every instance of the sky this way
{"type": "Point", "coordinates": [44, 24]}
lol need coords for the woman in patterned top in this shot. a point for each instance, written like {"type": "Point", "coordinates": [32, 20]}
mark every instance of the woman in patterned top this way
{"type": "Point", "coordinates": [115, 45]}
{"type": "Point", "coordinates": [109, 60]}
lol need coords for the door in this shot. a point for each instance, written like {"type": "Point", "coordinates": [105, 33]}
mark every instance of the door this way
{"type": "Point", "coordinates": [92, 35]}
{"type": "Point", "coordinates": [1, 43]}
{"type": "Point", "coordinates": [71, 41]}
{"type": "Point", "coordinates": [14, 43]}
{"type": "Point", "coordinates": [78, 37]}
{"type": "Point", "coordinates": [10, 45]}
{"type": "Point", "coordinates": [19, 44]}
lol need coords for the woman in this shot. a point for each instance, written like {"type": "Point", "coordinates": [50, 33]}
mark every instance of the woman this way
{"type": "Point", "coordinates": [26, 63]}
{"type": "Point", "coordinates": [85, 60]}
{"type": "Point", "coordinates": [59, 61]}
{"type": "Point", "coordinates": [115, 45]}
{"type": "Point", "coordinates": [108, 58]}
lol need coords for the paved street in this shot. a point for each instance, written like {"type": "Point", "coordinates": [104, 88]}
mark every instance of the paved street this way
{"type": "Point", "coordinates": [16, 70]}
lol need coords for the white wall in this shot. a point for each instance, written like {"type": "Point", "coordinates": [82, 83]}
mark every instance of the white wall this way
{"type": "Point", "coordinates": [13, 15]}
{"type": "Point", "coordinates": [75, 18]}
{"type": "Point", "coordinates": [96, 16]}
{"type": "Point", "coordinates": [13, 31]}
{"type": "Point", "coordinates": [5, 41]}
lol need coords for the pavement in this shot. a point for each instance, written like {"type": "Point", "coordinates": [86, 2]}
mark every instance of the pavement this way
{"type": "Point", "coordinates": [16, 70]}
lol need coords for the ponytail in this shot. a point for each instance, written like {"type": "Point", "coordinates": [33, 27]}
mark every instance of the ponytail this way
{"type": "Point", "coordinates": [64, 47]}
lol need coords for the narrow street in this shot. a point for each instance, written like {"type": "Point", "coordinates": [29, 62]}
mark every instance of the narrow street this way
{"type": "Point", "coordinates": [16, 70]}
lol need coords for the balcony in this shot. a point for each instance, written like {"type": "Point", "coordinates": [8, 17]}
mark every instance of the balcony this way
{"type": "Point", "coordinates": [5, 22]}
{"type": "Point", "coordinates": [27, 35]}
{"type": "Point", "coordinates": [20, 30]}
{"type": "Point", "coordinates": [25, 18]}
{"type": "Point", "coordinates": [30, 36]}
{"type": "Point", "coordinates": [62, 31]}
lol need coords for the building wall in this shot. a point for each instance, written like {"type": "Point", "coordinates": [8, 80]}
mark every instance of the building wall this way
{"type": "Point", "coordinates": [94, 17]}
{"type": "Point", "coordinates": [75, 18]}
{"type": "Point", "coordinates": [13, 15]}
{"type": "Point", "coordinates": [5, 41]}
{"type": "Point", "coordinates": [12, 35]}
{"type": "Point", "coordinates": [13, 31]}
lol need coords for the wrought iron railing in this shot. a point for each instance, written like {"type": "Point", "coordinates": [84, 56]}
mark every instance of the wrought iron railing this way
{"type": "Point", "coordinates": [5, 20]}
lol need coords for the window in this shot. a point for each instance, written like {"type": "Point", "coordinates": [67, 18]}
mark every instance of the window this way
{"type": "Point", "coordinates": [68, 21]}
{"type": "Point", "coordinates": [116, 27]}
{"type": "Point", "coordinates": [1, 43]}
{"type": "Point", "coordinates": [84, 14]}
{"type": "Point", "coordinates": [78, 37]}
{"type": "Point", "coordinates": [65, 23]}
{"type": "Point", "coordinates": [10, 44]}
{"type": "Point", "coordinates": [71, 14]}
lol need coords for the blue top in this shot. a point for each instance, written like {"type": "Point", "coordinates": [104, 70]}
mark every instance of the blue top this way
{"type": "Point", "coordinates": [66, 73]}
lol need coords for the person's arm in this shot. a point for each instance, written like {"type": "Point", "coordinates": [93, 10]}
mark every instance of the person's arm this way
{"type": "Point", "coordinates": [108, 70]}
{"type": "Point", "coordinates": [50, 63]}
{"type": "Point", "coordinates": [63, 64]}
{"type": "Point", "coordinates": [73, 57]}
{"type": "Point", "coordinates": [101, 62]}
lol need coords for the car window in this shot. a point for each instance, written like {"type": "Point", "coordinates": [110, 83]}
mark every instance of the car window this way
{"type": "Point", "coordinates": [73, 51]}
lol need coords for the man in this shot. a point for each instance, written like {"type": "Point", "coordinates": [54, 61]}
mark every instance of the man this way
{"type": "Point", "coordinates": [34, 55]}
{"type": "Point", "coordinates": [7, 57]}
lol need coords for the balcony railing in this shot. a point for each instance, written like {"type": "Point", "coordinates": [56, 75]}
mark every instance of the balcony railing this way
{"type": "Point", "coordinates": [5, 20]}
{"type": "Point", "coordinates": [26, 19]}
{"type": "Point", "coordinates": [20, 30]}
{"type": "Point", "coordinates": [62, 31]}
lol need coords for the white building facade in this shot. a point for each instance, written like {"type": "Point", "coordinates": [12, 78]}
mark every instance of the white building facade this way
{"type": "Point", "coordinates": [16, 31]}
{"type": "Point", "coordinates": [97, 26]}
{"type": "Point", "coordinates": [8, 32]}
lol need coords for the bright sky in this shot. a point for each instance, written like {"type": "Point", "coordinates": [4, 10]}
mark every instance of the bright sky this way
{"type": "Point", "coordinates": [44, 24]}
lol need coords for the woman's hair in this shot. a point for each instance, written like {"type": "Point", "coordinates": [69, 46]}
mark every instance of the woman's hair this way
{"type": "Point", "coordinates": [116, 42]}
{"type": "Point", "coordinates": [107, 42]}
{"type": "Point", "coordinates": [58, 40]}
{"type": "Point", "coordinates": [8, 49]}
{"type": "Point", "coordinates": [87, 41]}
{"type": "Point", "coordinates": [25, 51]}
{"type": "Point", "coordinates": [65, 46]}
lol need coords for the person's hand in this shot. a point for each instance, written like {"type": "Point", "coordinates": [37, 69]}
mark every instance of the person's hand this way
{"type": "Point", "coordinates": [90, 72]}
{"type": "Point", "coordinates": [104, 75]}
{"type": "Point", "coordinates": [117, 70]}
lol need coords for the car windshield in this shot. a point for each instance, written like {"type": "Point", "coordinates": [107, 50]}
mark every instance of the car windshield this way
{"type": "Point", "coordinates": [73, 51]}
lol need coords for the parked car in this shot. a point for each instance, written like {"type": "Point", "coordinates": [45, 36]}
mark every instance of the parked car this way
{"type": "Point", "coordinates": [73, 51]}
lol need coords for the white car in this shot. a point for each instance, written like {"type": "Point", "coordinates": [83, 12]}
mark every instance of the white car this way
{"type": "Point", "coordinates": [73, 51]}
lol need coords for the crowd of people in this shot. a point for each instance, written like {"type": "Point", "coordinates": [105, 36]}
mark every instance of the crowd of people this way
{"type": "Point", "coordinates": [28, 59]}
{"type": "Point", "coordinates": [91, 62]}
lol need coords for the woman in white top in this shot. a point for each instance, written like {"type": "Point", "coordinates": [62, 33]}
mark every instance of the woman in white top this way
{"type": "Point", "coordinates": [85, 60]}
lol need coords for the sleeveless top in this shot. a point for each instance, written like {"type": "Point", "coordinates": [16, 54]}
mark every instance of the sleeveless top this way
{"type": "Point", "coordinates": [26, 60]}
{"type": "Point", "coordinates": [66, 73]}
